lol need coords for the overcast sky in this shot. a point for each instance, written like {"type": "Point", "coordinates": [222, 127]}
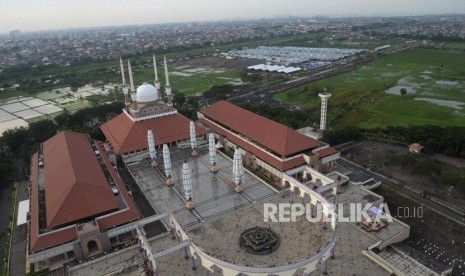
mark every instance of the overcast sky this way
{"type": "Point", "coordinates": [29, 15]}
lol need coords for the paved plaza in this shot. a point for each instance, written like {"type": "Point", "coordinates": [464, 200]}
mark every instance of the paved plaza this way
{"type": "Point", "coordinates": [221, 215]}
{"type": "Point", "coordinates": [212, 195]}
{"type": "Point", "coordinates": [298, 240]}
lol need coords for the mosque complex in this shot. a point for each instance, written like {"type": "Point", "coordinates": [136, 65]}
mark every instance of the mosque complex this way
{"type": "Point", "coordinates": [206, 183]}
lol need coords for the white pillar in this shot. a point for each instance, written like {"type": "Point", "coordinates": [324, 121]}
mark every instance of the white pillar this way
{"type": "Point", "coordinates": [193, 138]}
{"type": "Point", "coordinates": [238, 170]}
{"type": "Point", "coordinates": [151, 144]}
{"type": "Point", "coordinates": [212, 152]}
{"type": "Point", "coordinates": [187, 184]}
{"type": "Point", "coordinates": [324, 109]}
{"type": "Point", "coordinates": [167, 164]}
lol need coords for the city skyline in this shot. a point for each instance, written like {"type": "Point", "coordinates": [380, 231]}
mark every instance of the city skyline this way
{"type": "Point", "coordinates": [33, 15]}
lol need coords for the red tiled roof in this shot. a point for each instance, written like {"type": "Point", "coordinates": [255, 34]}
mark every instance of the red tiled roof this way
{"type": "Point", "coordinates": [125, 135]}
{"type": "Point", "coordinates": [416, 146]}
{"type": "Point", "coordinates": [37, 242]}
{"type": "Point", "coordinates": [68, 234]}
{"type": "Point", "coordinates": [326, 152]}
{"type": "Point", "coordinates": [75, 186]}
{"type": "Point", "coordinates": [272, 135]}
{"type": "Point", "coordinates": [258, 152]}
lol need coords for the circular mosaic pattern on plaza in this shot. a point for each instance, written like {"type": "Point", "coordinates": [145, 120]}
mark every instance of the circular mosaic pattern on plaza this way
{"type": "Point", "coordinates": [259, 241]}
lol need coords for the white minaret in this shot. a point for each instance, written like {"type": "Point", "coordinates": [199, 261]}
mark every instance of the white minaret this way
{"type": "Point", "coordinates": [167, 164]}
{"type": "Point", "coordinates": [167, 85]}
{"type": "Point", "coordinates": [238, 170]}
{"type": "Point", "coordinates": [127, 102]}
{"type": "Point", "coordinates": [193, 138]}
{"type": "Point", "coordinates": [122, 70]}
{"type": "Point", "coordinates": [157, 81]}
{"type": "Point", "coordinates": [131, 81]}
{"type": "Point", "coordinates": [151, 143]}
{"type": "Point", "coordinates": [212, 152]}
{"type": "Point", "coordinates": [187, 184]}
{"type": "Point", "coordinates": [324, 109]}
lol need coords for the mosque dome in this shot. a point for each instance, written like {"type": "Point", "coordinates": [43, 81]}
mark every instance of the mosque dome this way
{"type": "Point", "coordinates": [146, 93]}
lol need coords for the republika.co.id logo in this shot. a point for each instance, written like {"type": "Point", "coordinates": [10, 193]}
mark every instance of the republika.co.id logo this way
{"type": "Point", "coordinates": [352, 212]}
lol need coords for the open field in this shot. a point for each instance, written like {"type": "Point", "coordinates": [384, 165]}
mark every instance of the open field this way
{"type": "Point", "coordinates": [189, 80]}
{"type": "Point", "coordinates": [434, 80]}
{"type": "Point", "coordinates": [20, 110]}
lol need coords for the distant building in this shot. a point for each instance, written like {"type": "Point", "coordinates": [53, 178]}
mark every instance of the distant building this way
{"type": "Point", "coordinates": [79, 204]}
{"type": "Point", "coordinates": [14, 34]}
{"type": "Point", "coordinates": [382, 48]}
{"type": "Point", "coordinates": [274, 68]}
{"type": "Point", "coordinates": [415, 148]}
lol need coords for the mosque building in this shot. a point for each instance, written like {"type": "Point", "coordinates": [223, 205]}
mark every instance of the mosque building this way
{"type": "Point", "coordinates": [207, 196]}
{"type": "Point", "coordinates": [146, 109]}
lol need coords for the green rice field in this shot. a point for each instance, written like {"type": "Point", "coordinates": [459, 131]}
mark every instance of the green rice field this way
{"type": "Point", "coordinates": [434, 81]}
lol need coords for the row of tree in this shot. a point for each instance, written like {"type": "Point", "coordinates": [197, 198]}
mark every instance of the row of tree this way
{"type": "Point", "coordinates": [446, 139]}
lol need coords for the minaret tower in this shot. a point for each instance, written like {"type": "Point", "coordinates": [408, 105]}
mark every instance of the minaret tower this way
{"type": "Point", "coordinates": [193, 138]}
{"type": "Point", "coordinates": [152, 151]}
{"type": "Point", "coordinates": [187, 184]}
{"type": "Point", "coordinates": [238, 170]}
{"type": "Point", "coordinates": [157, 81]}
{"type": "Point", "coordinates": [324, 109]}
{"type": "Point", "coordinates": [131, 81]}
{"type": "Point", "coordinates": [167, 164]}
{"type": "Point", "coordinates": [133, 89]}
{"type": "Point", "coordinates": [127, 101]}
{"type": "Point", "coordinates": [212, 152]}
{"type": "Point", "coordinates": [167, 85]}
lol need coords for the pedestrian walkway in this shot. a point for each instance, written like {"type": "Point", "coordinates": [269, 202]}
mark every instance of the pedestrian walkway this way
{"type": "Point", "coordinates": [405, 263]}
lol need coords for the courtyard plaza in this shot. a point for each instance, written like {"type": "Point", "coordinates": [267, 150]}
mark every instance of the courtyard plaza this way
{"type": "Point", "coordinates": [212, 195]}
{"type": "Point", "coordinates": [220, 215]}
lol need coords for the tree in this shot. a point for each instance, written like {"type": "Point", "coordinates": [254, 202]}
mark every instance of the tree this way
{"type": "Point", "coordinates": [42, 130]}
{"type": "Point", "coordinates": [6, 170]}
{"type": "Point", "coordinates": [403, 92]}
{"type": "Point", "coordinates": [179, 99]}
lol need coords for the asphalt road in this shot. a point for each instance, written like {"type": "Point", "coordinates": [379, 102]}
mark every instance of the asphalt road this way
{"type": "Point", "coordinates": [18, 241]}
{"type": "Point", "coordinates": [430, 204]}
{"type": "Point", "coordinates": [5, 199]}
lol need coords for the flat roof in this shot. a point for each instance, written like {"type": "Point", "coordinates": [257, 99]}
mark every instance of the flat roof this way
{"type": "Point", "coordinates": [23, 209]}
{"type": "Point", "coordinates": [292, 55]}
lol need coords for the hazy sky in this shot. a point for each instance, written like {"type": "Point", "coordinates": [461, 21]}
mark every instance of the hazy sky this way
{"type": "Point", "coordinates": [30, 15]}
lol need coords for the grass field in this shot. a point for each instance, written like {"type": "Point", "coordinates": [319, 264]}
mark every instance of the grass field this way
{"type": "Point", "coordinates": [189, 80]}
{"type": "Point", "coordinates": [431, 74]}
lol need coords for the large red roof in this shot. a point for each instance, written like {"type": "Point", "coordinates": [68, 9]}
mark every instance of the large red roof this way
{"type": "Point", "coordinates": [125, 135]}
{"type": "Point", "coordinates": [274, 136]}
{"type": "Point", "coordinates": [274, 161]}
{"type": "Point", "coordinates": [66, 234]}
{"type": "Point", "coordinates": [75, 186]}
{"type": "Point", "coordinates": [37, 242]}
